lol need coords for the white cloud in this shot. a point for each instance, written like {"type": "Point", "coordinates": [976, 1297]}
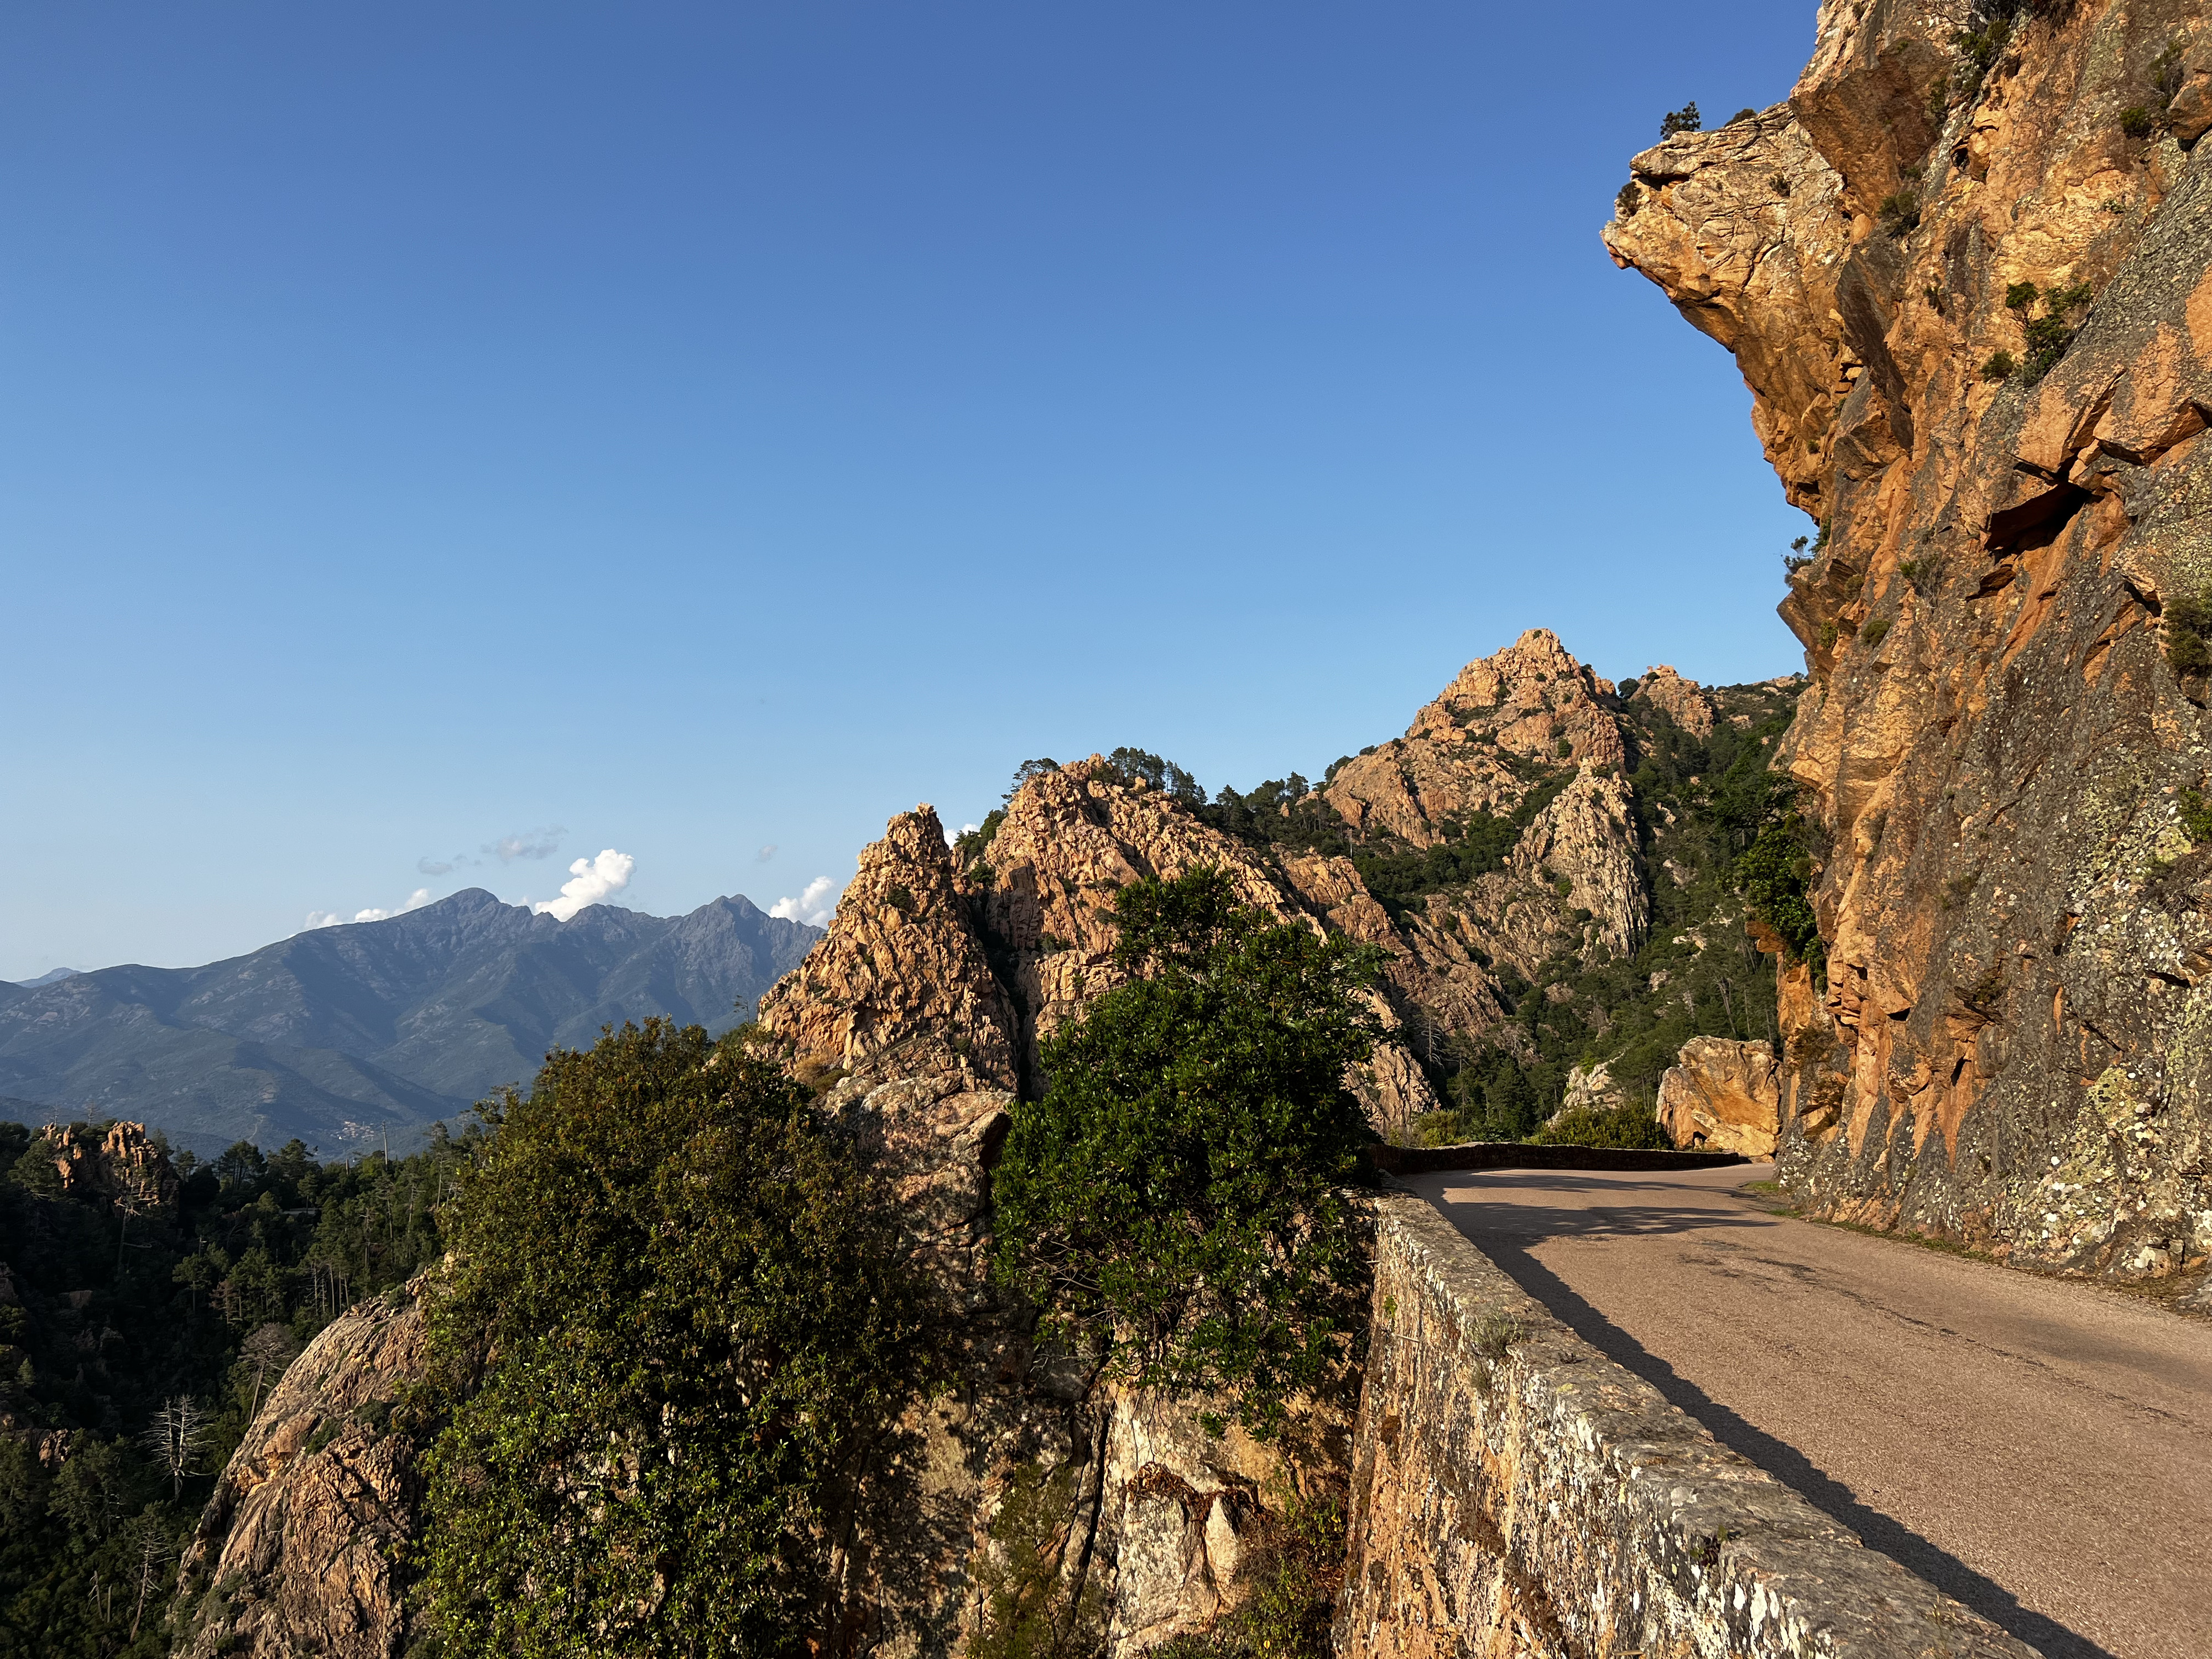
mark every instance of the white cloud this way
{"type": "Point", "coordinates": [529, 844]}
{"type": "Point", "coordinates": [429, 866]}
{"type": "Point", "coordinates": [590, 881]}
{"type": "Point", "coordinates": [414, 901]}
{"type": "Point", "coordinates": [765, 853]}
{"type": "Point", "coordinates": [816, 903]}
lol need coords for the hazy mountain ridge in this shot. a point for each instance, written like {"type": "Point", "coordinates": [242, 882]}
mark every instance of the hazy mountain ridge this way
{"type": "Point", "coordinates": [337, 1034]}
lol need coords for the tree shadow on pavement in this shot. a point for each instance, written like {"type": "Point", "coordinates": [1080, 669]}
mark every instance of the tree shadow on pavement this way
{"type": "Point", "coordinates": [1779, 1458]}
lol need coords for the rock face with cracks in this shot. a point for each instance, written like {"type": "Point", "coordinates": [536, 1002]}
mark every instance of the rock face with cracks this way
{"type": "Point", "coordinates": [1722, 1096]}
{"type": "Point", "coordinates": [1966, 271]}
{"type": "Point", "coordinates": [296, 1551]}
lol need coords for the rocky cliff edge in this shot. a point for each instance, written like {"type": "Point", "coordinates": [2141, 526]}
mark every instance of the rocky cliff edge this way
{"type": "Point", "coordinates": [1964, 271]}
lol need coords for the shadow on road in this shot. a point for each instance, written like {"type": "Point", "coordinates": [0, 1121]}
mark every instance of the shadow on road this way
{"type": "Point", "coordinates": [1782, 1461]}
{"type": "Point", "coordinates": [1529, 1222]}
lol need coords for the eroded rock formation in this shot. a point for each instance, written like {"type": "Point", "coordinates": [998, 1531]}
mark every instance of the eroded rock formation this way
{"type": "Point", "coordinates": [1965, 273]}
{"type": "Point", "coordinates": [1531, 701]}
{"type": "Point", "coordinates": [919, 1018]}
{"type": "Point", "coordinates": [121, 1168]}
{"type": "Point", "coordinates": [1722, 1096]}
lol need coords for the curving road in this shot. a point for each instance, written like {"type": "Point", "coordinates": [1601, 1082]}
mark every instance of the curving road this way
{"type": "Point", "coordinates": [2040, 1448]}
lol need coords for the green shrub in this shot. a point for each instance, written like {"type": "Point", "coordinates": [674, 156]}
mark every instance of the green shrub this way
{"type": "Point", "coordinates": [1876, 629]}
{"type": "Point", "coordinates": [2137, 122]}
{"type": "Point", "coordinates": [1026, 1610]}
{"type": "Point", "coordinates": [1775, 876]}
{"type": "Point", "coordinates": [2047, 340]}
{"type": "Point", "coordinates": [1625, 1127]}
{"type": "Point", "coordinates": [1173, 1203]}
{"type": "Point", "coordinates": [1685, 119]}
{"type": "Point", "coordinates": [2019, 295]}
{"type": "Point", "coordinates": [2000, 367]}
{"type": "Point", "coordinates": [1978, 49]}
{"type": "Point", "coordinates": [2167, 72]}
{"type": "Point", "coordinates": [1746, 113]}
{"type": "Point", "coordinates": [679, 1315]}
{"type": "Point", "coordinates": [969, 845]}
{"type": "Point", "coordinates": [1900, 214]}
{"type": "Point", "coordinates": [2196, 815]}
{"type": "Point", "coordinates": [2188, 631]}
{"type": "Point", "coordinates": [1628, 201]}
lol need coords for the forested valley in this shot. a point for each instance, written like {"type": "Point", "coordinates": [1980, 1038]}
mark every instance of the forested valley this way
{"type": "Point", "coordinates": [147, 1302]}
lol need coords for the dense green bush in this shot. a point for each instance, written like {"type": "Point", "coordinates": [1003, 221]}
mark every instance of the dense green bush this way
{"type": "Point", "coordinates": [1173, 1203]}
{"type": "Point", "coordinates": [1775, 876]}
{"type": "Point", "coordinates": [679, 1318]}
{"type": "Point", "coordinates": [2188, 630]}
{"type": "Point", "coordinates": [1685, 119]}
{"type": "Point", "coordinates": [1629, 1128]}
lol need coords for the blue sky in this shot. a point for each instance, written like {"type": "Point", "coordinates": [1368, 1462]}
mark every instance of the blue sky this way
{"type": "Point", "coordinates": [691, 429]}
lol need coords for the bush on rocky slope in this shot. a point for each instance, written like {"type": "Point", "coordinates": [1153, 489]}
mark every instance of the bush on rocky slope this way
{"type": "Point", "coordinates": [1173, 1202]}
{"type": "Point", "coordinates": [681, 1315]}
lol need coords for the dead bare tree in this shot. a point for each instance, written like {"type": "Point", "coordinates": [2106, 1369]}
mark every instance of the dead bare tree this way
{"type": "Point", "coordinates": [155, 1546]}
{"type": "Point", "coordinates": [268, 1350]}
{"type": "Point", "coordinates": [178, 1432]}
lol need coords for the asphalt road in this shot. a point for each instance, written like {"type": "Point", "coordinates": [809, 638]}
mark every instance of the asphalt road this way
{"type": "Point", "coordinates": [2040, 1448]}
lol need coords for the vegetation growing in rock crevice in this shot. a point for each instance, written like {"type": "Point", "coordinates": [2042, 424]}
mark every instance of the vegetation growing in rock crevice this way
{"type": "Point", "coordinates": [2186, 624]}
{"type": "Point", "coordinates": [1174, 1204]}
{"type": "Point", "coordinates": [680, 1316]}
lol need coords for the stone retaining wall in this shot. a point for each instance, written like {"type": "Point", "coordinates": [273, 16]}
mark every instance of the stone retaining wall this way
{"type": "Point", "coordinates": [1522, 1155]}
{"type": "Point", "coordinates": [1517, 1494]}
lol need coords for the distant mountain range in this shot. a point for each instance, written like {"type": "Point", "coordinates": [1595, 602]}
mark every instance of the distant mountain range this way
{"type": "Point", "coordinates": [343, 1035]}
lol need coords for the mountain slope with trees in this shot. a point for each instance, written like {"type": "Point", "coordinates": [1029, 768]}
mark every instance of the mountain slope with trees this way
{"type": "Point", "coordinates": [366, 1034]}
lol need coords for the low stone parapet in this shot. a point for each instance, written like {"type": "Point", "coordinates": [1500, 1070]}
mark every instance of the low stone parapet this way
{"type": "Point", "coordinates": [1515, 1492]}
{"type": "Point", "coordinates": [1524, 1155]}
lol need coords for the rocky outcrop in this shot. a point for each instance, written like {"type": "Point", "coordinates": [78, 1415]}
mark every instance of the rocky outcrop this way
{"type": "Point", "coordinates": [901, 986]}
{"type": "Point", "coordinates": [1154, 1507]}
{"type": "Point", "coordinates": [1978, 330]}
{"type": "Point", "coordinates": [1682, 700]}
{"type": "Point", "coordinates": [297, 1550]}
{"type": "Point", "coordinates": [1515, 1492]}
{"type": "Point", "coordinates": [1582, 847]}
{"type": "Point", "coordinates": [121, 1168]}
{"type": "Point", "coordinates": [1722, 1096]}
{"type": "Point", "coordinates": [1531, 701]}
{"type": "Point", "coordinates": [1071, 838]}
